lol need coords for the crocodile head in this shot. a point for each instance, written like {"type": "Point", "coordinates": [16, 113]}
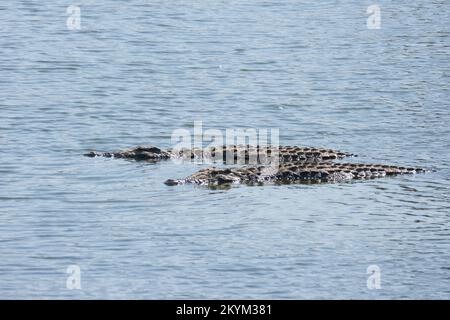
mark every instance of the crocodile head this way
{"type": "Point", "coordinates": [140, 153]}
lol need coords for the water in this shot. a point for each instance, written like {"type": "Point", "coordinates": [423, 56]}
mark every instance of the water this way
{"type": "Point", "coordinates": [136, 72]}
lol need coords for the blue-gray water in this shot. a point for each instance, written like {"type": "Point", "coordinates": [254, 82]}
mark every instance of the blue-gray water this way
{"type": "Point", "coordinates": [138, 70]}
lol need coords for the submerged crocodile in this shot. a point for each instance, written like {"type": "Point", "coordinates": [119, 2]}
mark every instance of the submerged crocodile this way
{"type": "Point", "coordinates": [227, 153]}
{"type": "Point", "coordinates": [296, 172]}
{"type": "Point", "coordinates": [293, 165]}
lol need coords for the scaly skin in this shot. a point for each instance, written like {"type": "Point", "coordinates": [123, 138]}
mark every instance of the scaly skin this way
{"type": "Point", "coordinates": [295, 164]}
{"type": "Point", "coordinates": [228, 154]}
{"type": "Point", "coordinates": [298, 172]}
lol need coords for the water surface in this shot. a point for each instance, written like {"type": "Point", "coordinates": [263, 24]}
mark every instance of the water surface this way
{"type": "Point", "coordinates": [136, 72]}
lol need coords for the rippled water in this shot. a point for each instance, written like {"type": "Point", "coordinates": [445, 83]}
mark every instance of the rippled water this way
{"type": "Point", "coordinates": [137, 71]}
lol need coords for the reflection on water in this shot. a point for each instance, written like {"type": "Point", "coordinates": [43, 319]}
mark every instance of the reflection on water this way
{"type": "Point", "coordinates": [132, 76]}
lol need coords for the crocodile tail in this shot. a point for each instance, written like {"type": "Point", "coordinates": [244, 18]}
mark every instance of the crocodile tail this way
{"type": "Point", "coordinates": [389, 169]}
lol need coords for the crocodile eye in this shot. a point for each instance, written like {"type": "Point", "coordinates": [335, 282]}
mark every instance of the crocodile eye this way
{"type": "Point", "coordinates": [149, 149]}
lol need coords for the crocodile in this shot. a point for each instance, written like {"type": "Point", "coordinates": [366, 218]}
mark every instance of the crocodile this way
{"type": "Point", "coordinates": [295, 172]}
{"type": "Point", "coordinates": [227, 153]}
{"type": "Point", "coordinates": [294, 164]}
